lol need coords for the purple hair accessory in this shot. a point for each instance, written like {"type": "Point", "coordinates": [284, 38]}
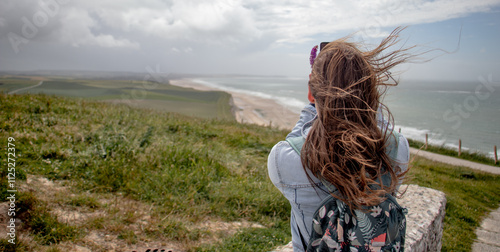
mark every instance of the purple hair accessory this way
{"type": "Point", "coordinates": [313, 55]}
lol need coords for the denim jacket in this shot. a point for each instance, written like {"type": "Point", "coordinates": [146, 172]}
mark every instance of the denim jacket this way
{"type": "Point", "coordinates": [286, 172]}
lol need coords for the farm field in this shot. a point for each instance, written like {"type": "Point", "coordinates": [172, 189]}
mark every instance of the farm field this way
{"type": "Point", "coordinates": [134, 93]}
{"type": "Point", "coordinates": [11, 83]}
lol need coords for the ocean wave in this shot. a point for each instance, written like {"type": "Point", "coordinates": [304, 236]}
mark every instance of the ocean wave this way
{"type": "Point", "coordinates": [268, 78]}
{"type": "Point", "coordinates": [208, 84]}
{"type": "Point", "coordinates": [413, 133]}
{"type": "Point", "coordinates": [419, 135]}
{"type": "Point", "coordinates": [288, 102]}
{"type": "Point", "coordinates": [436, 139]}
{"type": "Point", "coordinates": [291, 103]}
{"type": "Point", "coordinates": [453, 92]}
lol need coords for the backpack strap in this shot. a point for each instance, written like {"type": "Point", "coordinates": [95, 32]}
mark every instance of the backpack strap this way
{"type": "Point", "coordinates": [296, 143]}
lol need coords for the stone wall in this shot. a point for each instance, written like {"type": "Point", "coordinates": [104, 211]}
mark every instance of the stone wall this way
{"type": "Point", "coordinates": [424, 222]}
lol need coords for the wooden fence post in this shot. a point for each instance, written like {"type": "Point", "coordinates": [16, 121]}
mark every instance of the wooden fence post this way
{"type": "Point", "coordinates": [459, 147]}
{"type": "Point", "coordinates": [426, 138]}
{"type": "Point", "coordinates": [496, 157]}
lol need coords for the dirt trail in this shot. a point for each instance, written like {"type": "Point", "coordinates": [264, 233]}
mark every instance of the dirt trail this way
{"type": "Point", "coordinates": [455, 161]}
{"type": "Point", "coordinates": [26, 88]}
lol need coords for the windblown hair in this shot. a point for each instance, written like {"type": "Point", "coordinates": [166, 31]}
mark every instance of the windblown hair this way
{"type": "Point", "coordinates": [345, 146]}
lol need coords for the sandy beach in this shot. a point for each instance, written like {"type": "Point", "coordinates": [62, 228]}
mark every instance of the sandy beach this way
{"type": "Point", "coordinates": [252, 109]}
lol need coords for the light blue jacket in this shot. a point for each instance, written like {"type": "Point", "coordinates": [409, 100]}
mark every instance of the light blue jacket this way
{"type": "Point", "coordinates": [286, 172]}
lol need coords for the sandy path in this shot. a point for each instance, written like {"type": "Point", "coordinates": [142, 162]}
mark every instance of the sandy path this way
{"type": "Point", "coordinates": [455, 161]}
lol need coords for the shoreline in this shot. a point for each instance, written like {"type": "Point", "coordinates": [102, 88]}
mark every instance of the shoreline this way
{"type": "Point", "coordinates": [251, 109]}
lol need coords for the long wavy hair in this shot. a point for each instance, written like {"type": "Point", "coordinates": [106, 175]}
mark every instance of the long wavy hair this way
{"type": "Point", "coordinates": [345, 145]}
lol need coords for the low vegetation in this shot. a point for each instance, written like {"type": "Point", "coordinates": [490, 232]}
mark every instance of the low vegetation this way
{"type": "Point", "coordinates": [189, 170]}
{"type": "Point", "coordinates": [104, 176]}
{"type": "Point", "coordinates": [465, 154]}
{"type": "Point", "coordinates": [134, 93]}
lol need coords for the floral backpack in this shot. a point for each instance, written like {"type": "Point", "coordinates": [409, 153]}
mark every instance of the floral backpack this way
{"type": "Point", "coordinates": [377, 228]}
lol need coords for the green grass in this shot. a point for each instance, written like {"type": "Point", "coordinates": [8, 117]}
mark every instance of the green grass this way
{"type": "Point", "coordinates": [190, 169]}
{"type": "Point", "coordinates": [213, 104]}
{"type": "Point", "coordinates": [43, 225]}
{"type": "Point", "coordinates": [253, 239]}
{"type": "Point", "coordinates": [465, 154]}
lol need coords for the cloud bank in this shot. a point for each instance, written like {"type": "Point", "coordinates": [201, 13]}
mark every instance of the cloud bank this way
{"type": "Point", "coordinates": [215, 29]}
{"type": "Point", "coordinates": [109, 23]}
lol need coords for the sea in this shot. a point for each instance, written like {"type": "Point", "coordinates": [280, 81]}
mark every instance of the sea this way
{"type": "Point", "coordinates": [447, 111]}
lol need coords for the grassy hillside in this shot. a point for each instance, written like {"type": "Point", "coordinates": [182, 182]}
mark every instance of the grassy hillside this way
{"type": "Point", "coordinates": [141, 94]}
{"type": "Point", "coordinates": [188, 170]}
{"type": "Point", "coordinates": [108, 176]}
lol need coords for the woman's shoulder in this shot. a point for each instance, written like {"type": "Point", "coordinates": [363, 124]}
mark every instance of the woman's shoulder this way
{"type": "Point", "coordinates": [285, 166]}
{"type": "Point", "coordinates": [282, 152]}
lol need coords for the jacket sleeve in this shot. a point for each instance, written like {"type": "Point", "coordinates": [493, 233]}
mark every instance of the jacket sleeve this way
{"type": "Point", "coordinates": [307, 114]}
{"type": "Point", "coordinates": [403, 157]}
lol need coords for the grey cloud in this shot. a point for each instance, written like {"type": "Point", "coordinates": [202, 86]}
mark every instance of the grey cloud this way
{"type": "Point", "coordinates": [200, 36]}
{"type": "Point", "coordinates": [219, 22]}
{"type": "Point", "coordinates": [207, 21]}
{"type": "Point", "coordinates": [31, 20]}
{"type": "Point", "coordinates": [54, 21]}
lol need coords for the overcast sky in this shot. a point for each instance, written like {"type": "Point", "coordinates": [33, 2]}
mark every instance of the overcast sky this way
{"type": "Point", "coordinates": [241, 37]}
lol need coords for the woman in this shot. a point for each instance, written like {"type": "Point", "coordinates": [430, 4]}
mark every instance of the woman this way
{"type": "Point", "coordinates": [345, 132]}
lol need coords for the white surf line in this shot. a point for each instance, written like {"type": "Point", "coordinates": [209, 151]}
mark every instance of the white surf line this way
{"type": "Point", "coordinates": [21, 89]}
